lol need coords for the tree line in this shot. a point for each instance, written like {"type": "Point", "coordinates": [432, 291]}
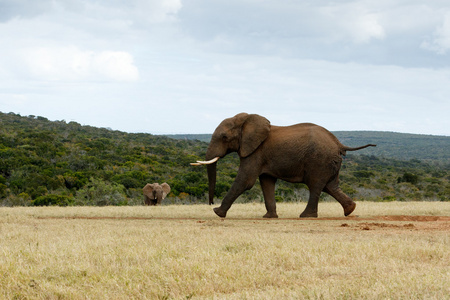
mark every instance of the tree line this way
{"type": "Point", "coordinates": [46, 162]}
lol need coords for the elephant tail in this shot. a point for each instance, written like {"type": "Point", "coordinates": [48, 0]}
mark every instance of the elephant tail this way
{"type": "Point", "coordinates": [345, 148]}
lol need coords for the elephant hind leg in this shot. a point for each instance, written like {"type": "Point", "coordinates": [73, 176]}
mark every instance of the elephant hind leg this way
{"type": "Point", "coordinates": [335, 191]}
{"type": "Point", "coordinates": [313, 203]}
{"type": "Point", "coordinates": [268, 188]}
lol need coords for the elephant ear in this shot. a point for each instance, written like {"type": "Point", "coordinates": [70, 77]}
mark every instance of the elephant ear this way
{"type": "Point", "coordinates": [166, 189]}
{"type": "Point", "coordinates": [254, 131]}
{"type": "Point", "coordinates": [148, 190]}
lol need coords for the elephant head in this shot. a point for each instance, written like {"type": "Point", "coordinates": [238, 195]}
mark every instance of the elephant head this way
{"type": "Point", "coordinates": [155, 192]}
{"type": "Point", "coordinates": [242, 133]}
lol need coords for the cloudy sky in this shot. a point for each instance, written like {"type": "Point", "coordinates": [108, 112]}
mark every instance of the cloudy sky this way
{"type": "Point", "coordinates": [181, 66]}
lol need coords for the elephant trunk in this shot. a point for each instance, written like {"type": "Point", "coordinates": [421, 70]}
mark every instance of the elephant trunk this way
{"type": "Point", "coordinates": [211, 168]}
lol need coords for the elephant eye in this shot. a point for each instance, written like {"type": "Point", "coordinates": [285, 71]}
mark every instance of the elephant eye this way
{"type": "Point", "coordinates": [224, 138]}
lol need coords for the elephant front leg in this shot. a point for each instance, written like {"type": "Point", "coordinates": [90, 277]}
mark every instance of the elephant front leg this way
{"type": "Point", "coordinates": [268, 189]}
{"type": "Point", "coordinates": [244, 181]}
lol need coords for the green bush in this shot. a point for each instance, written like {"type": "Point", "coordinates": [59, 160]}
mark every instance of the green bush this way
{"type": "Point", "coordinates": [101, 193]}
{"type": "Point", "coordinates": [49, 200]}
{"type": "Point", "coordinates": [408, 177]}
{"type": "Point", "coordinates": [389, 198]}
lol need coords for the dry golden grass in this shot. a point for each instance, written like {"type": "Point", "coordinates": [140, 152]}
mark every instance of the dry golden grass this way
{"type": "Point", "coordinates": [182, 252]}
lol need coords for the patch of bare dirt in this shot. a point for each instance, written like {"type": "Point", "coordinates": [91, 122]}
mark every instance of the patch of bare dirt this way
{"type": "Point", "coordinates": [415, 218]}
{"type": "Point", "coordinates": [371, 226]}
{"type": "Point", "coordinates": [433, 223]}
{"type": "Point", "coordinates": [403, 218]}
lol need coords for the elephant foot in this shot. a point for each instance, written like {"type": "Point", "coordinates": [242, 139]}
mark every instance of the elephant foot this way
{"type": "Point", "coordinates": [349, 208]}
{"type": "Point", "coordinates": [308, 214]}
{"type": "Point", "coordinates": [270, 215]}
{"type": "Point", "coordinates": [220, 212]}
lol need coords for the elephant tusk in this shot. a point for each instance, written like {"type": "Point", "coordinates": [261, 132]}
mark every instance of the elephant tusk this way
{"type": "Point", "coordinates": [208, 162]}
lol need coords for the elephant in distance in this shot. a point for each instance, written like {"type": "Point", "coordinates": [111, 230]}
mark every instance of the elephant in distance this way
{"type": "Point", "coordinates": [154, 193]}
{"type": "Point", "coordinates": [301, 153]}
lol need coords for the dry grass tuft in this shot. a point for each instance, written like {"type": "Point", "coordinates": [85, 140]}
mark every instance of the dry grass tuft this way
{"type": "Point", "coordinates": [186, 252]}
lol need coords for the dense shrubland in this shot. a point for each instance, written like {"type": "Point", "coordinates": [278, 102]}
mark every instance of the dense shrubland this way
{"type": "Point", "coordinates": [59, 163]}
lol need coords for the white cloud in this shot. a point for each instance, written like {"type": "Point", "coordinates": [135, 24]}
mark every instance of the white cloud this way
{"type": "Point", "coordinates": [353, 20]}
{"type": "Point", "coordinates": [23, 8]}
{"type": "Point", "coordinates": [440, 43]}
{"type": "Point", "coordinates": [157, 11]}
{"type": "Point", "coordinates": [116, 65]}
{"type": "Point", "coordinates": [152, 11]}
{"type": "Point", "coordinates": [367, 27]}
{"type": "Point", "coordinates": [71, 63]}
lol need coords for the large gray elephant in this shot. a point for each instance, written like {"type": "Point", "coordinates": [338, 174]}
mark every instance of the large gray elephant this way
{"type": "Point", "coordinates": [154, 193]}
{"type": "Point", "coordinates": [305, 153]}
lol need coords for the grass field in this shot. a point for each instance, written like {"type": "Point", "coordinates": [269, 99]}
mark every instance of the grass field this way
{"type": "Point", "coordinates": [394, 250]}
